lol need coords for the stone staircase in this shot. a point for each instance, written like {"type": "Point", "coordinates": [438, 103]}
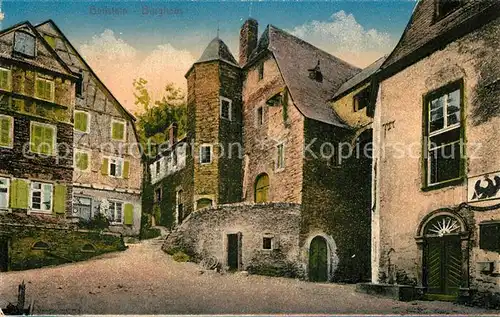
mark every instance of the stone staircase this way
{"type": "Point", "coordinates": [158, 241]}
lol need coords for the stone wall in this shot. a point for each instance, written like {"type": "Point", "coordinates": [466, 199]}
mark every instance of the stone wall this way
{"type": "Point", "coordinates": [401, 200]}
{"type": "Point", "coordinates": [205, 233]}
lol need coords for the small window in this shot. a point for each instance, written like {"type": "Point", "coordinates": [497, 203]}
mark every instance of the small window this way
{"type": "Point", "coordinates": [225, 108]}
{"type": "Point", "coordinates": [44, 89]}
{"type": "Point", "coordinates": [4, 192]}
{"type": "Point", "coordinates": [82, 121]}
{"type": "Point", "coordinates": [50, 40]}
{"type": "Point", "coordinates": [280, 163]}
{"type": "Point", "coordinates": [116, 212]}
{"type": "Point", "coordinates": [489, 236]}
{"type": "Point", "coordinates": [444, 135]}
{"type": "Point", "coordinates": [40, 245]}
{"type": "Point", "coordinates": [116, 167]}
{"type": "Point", "coordinates": [267, 243]}
{"type": "Point", "coordinates": [118, 130]}
{"type": "Point", "coordinates": [79, 85]}
{"type": "Point", "coordinates": [260, 116]}
{"type": "Point", "coordinates": [24, 43]}
{"type": "Point", "coordinates": [82, 160]}
{"type": "Point", "coordinates": [445, 7]}
{"type": "Point", "coordinates": [41, 197]}
{"type": "Point", "coordinates": [158, 195]}
{"type": "Point", "coordinates": [42, 138]}
{"type": "Point", "coordinates": [179, 206]}
{"type": "Point", "coordinates": [205, 154]}
{"type": "Point", "coordinates": [362, 99]}
{"type": "Point", "coordinates": [6, 131]}
{"type": "Point", "coordinates": [261, 71]}
{"type": "Point", "coordinates": [5, 79]}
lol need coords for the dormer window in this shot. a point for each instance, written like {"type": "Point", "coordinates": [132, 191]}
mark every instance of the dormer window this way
{"type": "Point", "coordinates": [315, 73]}
{"type": "Point", "coordinates": [24, 43]}
{"type": "Point", "coordinates": [362, 99]}
{"type": "Point", "coordinates": [445, 7]}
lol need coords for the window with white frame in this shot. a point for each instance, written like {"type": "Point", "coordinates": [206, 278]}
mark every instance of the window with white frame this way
{"type": "Point", "coordinates": [280, 162]}
{"type": "Point", "coordinates": [41, 197]}
{"type": "Point", "coordinates": [4, 192]}
{"type": "Point", "coordinates": [5, 79]}
{"type": "Point", "coordinates": [116, 212]}
{"type": "Point", "coordinates": [225, 108]}
{"type": "Point", "coordinates": [44, 88]}
{"type": "Point", "coordinates": [82, 207]}
{"type": "Point", "coordinates": [116, 167]}
{"type": "Point", "coordinates": [444, 134]}
{"type": "Point", "coordinates": [205, 154]}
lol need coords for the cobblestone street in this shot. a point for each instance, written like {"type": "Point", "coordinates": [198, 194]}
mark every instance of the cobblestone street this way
{"type": "Point", "coordinates": [144, 280]}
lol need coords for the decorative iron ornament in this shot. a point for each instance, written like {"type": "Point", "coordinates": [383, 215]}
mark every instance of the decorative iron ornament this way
{"type": "Point", "coordinates": [442, 225]}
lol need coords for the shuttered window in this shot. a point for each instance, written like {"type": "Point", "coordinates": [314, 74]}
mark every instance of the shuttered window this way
{"type": "Point", "coordinates": [118, 130]}
{"type": "Point", "coordinates": [41, 197]}
{"type": "Point", "coordinates": [128, 218]}
{"type": "Point", "coordinates": [5, 79]}
{"type": "Point", "coordinates": [19, 194]}
{"type": "Point", "coordinates": [116, 212]}
{"type": "Point", "coordinates": [44, 89]}
{"type": "Point", "coordinates": [42, 138]}
{"type": "Point", "coordinates": [4, 192]}
{"type": "Point", "coordinates": [82, 121]}
{"type": "Point", "coordinates": [6, 131]}
{"type": "Point", "coordinates": [82, 160]}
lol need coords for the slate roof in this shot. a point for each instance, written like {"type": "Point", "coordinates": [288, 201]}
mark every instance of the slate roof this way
{"type": "Point", "coordinates": [425, 30]}
{"type": "Point", "coordinates": [359, 78]}
{"type": "Point", "coordinates": [217, 50]}
{"type": "Point", "coordinates": [295, 58]}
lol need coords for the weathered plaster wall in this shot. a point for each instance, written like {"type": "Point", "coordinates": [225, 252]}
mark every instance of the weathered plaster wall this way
{"type": "Point", "coordinates": [261, 141]}
{"type": "Point", "coordinates": [205, 233]}
{"type": "Point", "coordinates": [401, 204]}
{"type": "Point", "coordinates": [344, 108]}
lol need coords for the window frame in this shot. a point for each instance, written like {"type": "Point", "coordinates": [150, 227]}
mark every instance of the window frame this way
{"type": "Point", "coordinates": [117, 159]}
{"type": "Point", "coordinates": [11, 133]}
{"type": "Point", "coordinates": [230, 109]}
{"type": "Point", "coordinates": [80, 151]}
{"type": "Point", "coordinates": [54, 135]}
{"type": "Point", "coordinates": [9, 78]}
{"type": "Point", "coordinates": [361, 95]}
{"type": "Point", "coordinates": [272, 238]}
{"type": "Point", "coordinates": [426, 135]}
{"type": "Point", "coordinates": [22, 53]}
{"type": "Point", "coordinates": [7, 179]}
{"type": "Point", "coordinates": [88, 121]}
{"type": "Point", "coordinates": [52, 88]}
{"type": "Point", "coordinates": [202, 146]}
{"type": "Point", "coordinates": [113, 216]}
{"type": "Point", "coordinates": [76, 198]}
{"type": "Point", "coordinates": [79, 83]}
{"type": "Point", "coordinates": [280, 163]}
{"type": "Point", "coordinates": [124, 130]}
{"type": "Point", "coordinates": [41, 197]}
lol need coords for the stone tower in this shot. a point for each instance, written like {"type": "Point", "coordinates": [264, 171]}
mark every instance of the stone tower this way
{"type": "Point", "coordinates": [215, 125]}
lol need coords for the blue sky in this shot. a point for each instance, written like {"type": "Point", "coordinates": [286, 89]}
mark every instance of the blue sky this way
{"type": "Point", "coordinates": [358, 31]}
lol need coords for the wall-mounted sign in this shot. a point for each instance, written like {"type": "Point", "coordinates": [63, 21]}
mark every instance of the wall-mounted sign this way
{"type": "Point", "coordinates": [483, 187]}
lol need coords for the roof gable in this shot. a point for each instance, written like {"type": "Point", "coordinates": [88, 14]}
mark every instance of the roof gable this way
{"type": "Point", "coordinates": [45, 57]}
{"type": "Point", "coordinates": [217, 50]}
{"type": "Point", "coordinates": [424, 32]}
{"type": "Point", "coordinates": [295, 59]}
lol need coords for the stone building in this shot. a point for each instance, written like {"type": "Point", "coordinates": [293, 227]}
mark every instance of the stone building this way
{"type": "Point", "coordinates": [108, 171]}
{"type": "Point", "coordinates": [36, 153]}
{"type": "Point", "coordinates": [256, 136]}
{"type": "Point", "coordinates": [435, 218]}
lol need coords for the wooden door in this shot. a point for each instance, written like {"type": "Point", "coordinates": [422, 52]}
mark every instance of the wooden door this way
{"type": "Point", "coordinates": [234, 251]}
{"type": "Point", "coordinates": [262, 189]}
{"type": "Point", "coordinates": [318, 260]}
{"type": "Point", "coordinates": [443, 266]}
{"type": "Point", "coordinates": [4, 254]}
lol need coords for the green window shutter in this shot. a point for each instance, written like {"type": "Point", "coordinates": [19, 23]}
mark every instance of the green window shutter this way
{"type": "Point", "coordinates": [36, 136]}
{"type": "Point", "coordinates": [117, 131]}
{"type": "Point", "coordinates": [60, 199]}
{"type": "Point", "coordinates": [128, 218]}
{"type": "Point", "coordinates": [48, 140]}
{"type": "Point", "coordinates": [126, 169]}
{"type": "Point", "coordinates": [105, 166]}
{"type": "Point", "coordinates": [82, 160]}
{"type": "Point", "coordinates": [5, 79]}
{"type": "Point", "coordinates": [19, 194]}
{"type": "Point", "coordinates": [39, 88]}
{"type": "Point", "coordinates": [81, 121]}
{"type": "Point", "coordinates": [5, 135]}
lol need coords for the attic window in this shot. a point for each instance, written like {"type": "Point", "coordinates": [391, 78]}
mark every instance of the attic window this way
{"type": "Point", "coordinates": [445, 7]}
{"type": "Point", "coordinates": [362, 99]}
{"type": "Point", "coordinates": [79, 85]}
{"type": "Point", "coordinates": [315, 73]}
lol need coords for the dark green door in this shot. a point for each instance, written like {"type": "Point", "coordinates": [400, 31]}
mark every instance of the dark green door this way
{"type": "Point", "coordinates": [318, 260]}
{"type": "Point", "coordinates": [4, 254]}
{"type": "Point", "coordinates": [233, 251]}
{"type": "Point", "coordinates": [443, 266]}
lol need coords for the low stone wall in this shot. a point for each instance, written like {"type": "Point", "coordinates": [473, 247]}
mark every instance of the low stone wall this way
{"type": "Point", "coordinates": [204, 233]}
{"type": "Point", "coordinates": [37, 245]}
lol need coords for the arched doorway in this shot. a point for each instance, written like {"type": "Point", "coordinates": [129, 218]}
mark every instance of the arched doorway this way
{"type": "Point", "coordinates": [318, 260]}
{"type": "Point", "coordinates": [262, 188]}
{"type": "Point", "coordinates": [443, 257]}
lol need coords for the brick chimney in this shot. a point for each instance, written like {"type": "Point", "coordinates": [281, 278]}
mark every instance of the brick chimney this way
{"type": "Point", "coordinates": [172, 134]}
{"type": "Point", "coordinates": [249, 34]}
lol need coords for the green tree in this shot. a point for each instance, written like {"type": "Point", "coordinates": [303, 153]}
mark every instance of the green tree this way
{"type": "Point", "coordinates": [157, 115]}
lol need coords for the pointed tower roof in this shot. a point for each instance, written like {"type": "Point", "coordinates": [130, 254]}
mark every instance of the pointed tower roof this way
{"type": "Point", "coordinates": [217, 50]}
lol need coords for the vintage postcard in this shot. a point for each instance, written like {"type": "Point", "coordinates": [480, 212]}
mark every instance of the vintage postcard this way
{"type": "Point", "coordinates": [249, 157]}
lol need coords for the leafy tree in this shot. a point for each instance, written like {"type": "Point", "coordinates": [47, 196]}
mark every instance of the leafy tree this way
{"type": "Point", "coordinates": [157, 115]}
